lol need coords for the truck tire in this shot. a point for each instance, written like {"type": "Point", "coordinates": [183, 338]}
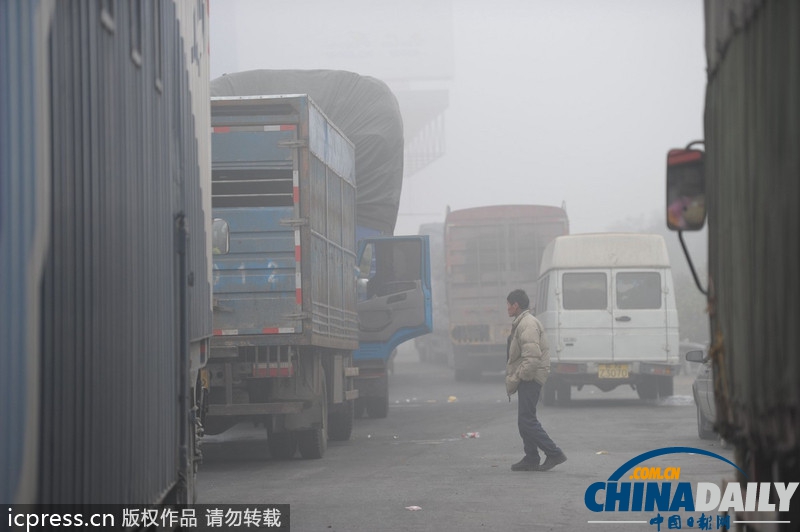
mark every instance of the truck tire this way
{"type": "Point", "coordinates": [312, 443]}
{"type": "Point", "coordinates": [378, 407]}
{"type": "Point", "coordinates": [422, 351]}
{"type": "Point", "coordinates": [340, 423]}
{"type": "Point", "coordinates": [282, 445]}
{"type": "Point", "coordinates": [358, 407]}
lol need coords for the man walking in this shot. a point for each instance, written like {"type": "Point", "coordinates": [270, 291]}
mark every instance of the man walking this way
{"type": "Point", "coordinates": [526, 372]}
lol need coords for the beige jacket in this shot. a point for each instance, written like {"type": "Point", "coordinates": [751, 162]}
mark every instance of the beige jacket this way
{"type": "Point", "coordinates": [528, 352]}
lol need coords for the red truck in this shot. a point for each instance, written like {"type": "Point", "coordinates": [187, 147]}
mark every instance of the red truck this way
{"type": "Point", "coordinates": [490, 251]}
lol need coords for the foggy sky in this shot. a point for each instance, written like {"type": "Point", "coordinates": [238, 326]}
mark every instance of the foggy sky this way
{"type": "Point", "coordinates": [550, 101]}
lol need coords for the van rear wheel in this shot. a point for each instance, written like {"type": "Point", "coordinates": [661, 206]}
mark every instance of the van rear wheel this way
{"type": "Point", "coordinates": [564, 393]}
{"type": "Point", "coordinates": [647, 388]}
{"type": "Point", "coordinates": [549, 392]}
{"type": "Point", "coordinates": [666, 386]}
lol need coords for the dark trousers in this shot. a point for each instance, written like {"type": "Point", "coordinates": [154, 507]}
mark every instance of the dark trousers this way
{"type": "Point", "coordinates": [533, 434]}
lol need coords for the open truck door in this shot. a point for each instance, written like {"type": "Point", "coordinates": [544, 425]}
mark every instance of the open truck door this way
{"type": "Point", "coordinates": [394, 290]}
{"type": "Point", "coordinates": [394, 305]}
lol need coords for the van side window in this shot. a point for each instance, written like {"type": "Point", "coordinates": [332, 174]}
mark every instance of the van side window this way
{"type": "Point", "coordinates": [541, 303]}
{"type": "Point", "coordinates": [585, 291]}
{"type": "Point", "coordinates": [638, 290]}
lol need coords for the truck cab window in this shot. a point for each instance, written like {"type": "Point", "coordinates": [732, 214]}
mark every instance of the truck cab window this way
{"type": "Point", "coordinates": [396, 268]}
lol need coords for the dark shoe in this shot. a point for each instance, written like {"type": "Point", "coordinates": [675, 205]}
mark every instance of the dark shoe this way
{"type": "Point", "coordinates": [525, 465]}
{"type": "Point", "coordinates": [551, 461]}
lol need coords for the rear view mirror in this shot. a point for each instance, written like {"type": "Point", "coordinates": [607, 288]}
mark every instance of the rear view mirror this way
{"type": "Point", "coordinates": [686, 203]}
{"type": "Point", "coordinates": [220, 237]}
{"type": "Point", "coordinates": [696, 356]}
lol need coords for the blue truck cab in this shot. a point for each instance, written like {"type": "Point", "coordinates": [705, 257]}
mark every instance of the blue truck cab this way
{"type": "Point", "coordinates": [394, 273]}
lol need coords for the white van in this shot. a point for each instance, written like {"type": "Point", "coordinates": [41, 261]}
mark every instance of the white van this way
{"type": "Point", "coordinates": [607, 303]}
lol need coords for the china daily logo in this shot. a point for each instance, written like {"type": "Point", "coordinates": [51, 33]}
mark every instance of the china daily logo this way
{"type": "Point", "coordinates": [637, 488]}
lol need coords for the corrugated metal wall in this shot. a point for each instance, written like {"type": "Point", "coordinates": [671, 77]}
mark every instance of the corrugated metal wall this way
{"type": "Point", "coordinates": [24, 202]}
{"type": "Point", "coordinates": [125, 164]}
{"type": "Point", "coordinates": [331, 210]}
{"type": "Point", "coordinates": [752, 127]}
{"type": "Point", "coordinates": [193, 27]}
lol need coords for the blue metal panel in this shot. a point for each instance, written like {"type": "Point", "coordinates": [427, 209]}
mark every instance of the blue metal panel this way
{"type": "Point", "coordinates": [255, 283]}
{"type": "Point", "coordinates": [251, 147]}
{"type": "Point", "coordinates": [382, 351]}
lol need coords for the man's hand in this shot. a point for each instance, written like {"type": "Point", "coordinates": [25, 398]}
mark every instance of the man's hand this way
{"type": "Point", "coordinates": [512, 383]}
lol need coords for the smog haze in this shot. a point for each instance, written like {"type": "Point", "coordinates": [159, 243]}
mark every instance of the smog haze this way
{"type": "Point", "coordinates": [507, 102]}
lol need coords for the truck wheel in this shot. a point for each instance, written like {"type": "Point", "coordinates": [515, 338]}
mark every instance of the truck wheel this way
{"type": "Point", "coordinates": [282, 445]}
{"type": "Point", "coordinates": [313, 442]}
{"type": "Point", "coordinates": [340, 423]}
{"type": "Point", "coordinates": [359, 407]}
{"type": "Point", "coordinates": [378, 407]}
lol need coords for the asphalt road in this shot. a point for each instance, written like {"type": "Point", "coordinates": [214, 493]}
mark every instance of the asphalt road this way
{"type": "Point", "coordinates": [418, 457]}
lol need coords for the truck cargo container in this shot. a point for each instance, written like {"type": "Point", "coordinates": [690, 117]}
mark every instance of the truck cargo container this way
{"type": "Point", "coordinates": [490, 251]}
{"type": "Point", "coordinates": [746, 180]}
{"type": "Point", "coordinates": [104, 260]}
{"type": "Point", "coordinates": [293, 295]}
{"type": "Point", "coordinates": [366, 111]}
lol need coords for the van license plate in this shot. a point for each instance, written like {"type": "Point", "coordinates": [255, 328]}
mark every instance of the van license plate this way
{"type": "Point", "coordinates": [612, 371]}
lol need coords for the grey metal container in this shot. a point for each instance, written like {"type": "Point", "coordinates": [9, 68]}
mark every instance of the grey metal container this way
{"type": "Point", "coordinates": [752, 125]}
{"type": "Point", "coordinates": [117, 304]}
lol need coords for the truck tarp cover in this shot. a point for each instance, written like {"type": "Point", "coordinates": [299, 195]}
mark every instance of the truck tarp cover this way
{"type": "Point", "coordinates": [364, 109]}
